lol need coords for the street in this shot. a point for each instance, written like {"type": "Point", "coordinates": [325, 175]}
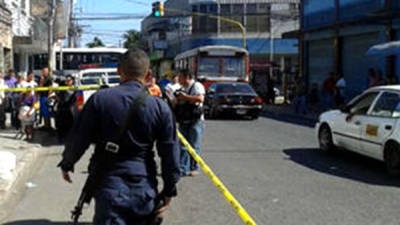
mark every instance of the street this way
{"type": "Point", "coordinates": [273, 168]}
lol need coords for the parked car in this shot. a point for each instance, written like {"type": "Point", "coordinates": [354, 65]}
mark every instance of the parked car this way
{"type": "Point", "coordinates": [232, 98]}
{"type": "Point", "coordinates": [369, 125]}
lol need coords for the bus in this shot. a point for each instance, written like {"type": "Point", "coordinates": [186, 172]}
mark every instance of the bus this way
{"type": "Point", "coordinates": [215, 63]}
{"type": "Point", "coordinates": [76, 59]}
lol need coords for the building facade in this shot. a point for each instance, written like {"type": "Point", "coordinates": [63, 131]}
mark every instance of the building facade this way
{"type": "Point", "coordinates": [264, 20]}
{"type": "Point", "coordinates": [6, 35]}
{"type": "Point", "coordinates": [29, 34]}
{"type": "Point", "coordinates": [336, 34]}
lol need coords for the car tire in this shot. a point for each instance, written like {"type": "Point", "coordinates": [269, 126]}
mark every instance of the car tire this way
{"type": "Point", "coordinates": [392, 158]}
{"type": "Point", "coordinates": [325, 139]}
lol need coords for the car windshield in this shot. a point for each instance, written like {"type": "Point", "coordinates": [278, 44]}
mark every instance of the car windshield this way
{"type": "Point", "coordinates": [234, 88]}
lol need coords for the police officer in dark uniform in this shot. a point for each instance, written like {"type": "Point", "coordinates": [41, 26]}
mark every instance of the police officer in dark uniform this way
{"type": "Point", "coordinates": [128, 190]}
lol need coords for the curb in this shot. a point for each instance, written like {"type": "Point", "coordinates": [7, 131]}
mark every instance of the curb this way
{"type": "Point", "coordinates": [22, 168]}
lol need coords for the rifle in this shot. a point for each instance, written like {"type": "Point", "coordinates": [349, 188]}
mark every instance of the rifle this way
{"type": "Point", "coordinates": [85, 197]}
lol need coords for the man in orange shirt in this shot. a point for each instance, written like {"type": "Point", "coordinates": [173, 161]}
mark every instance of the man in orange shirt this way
{"type": "Point", "coordinates": [154, 89]}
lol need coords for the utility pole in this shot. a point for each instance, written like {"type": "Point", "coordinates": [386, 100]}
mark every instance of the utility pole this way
{"type": "Point", "coordinates": [71, 27]}
{"type": "Point", "coordinates": [51, 20]}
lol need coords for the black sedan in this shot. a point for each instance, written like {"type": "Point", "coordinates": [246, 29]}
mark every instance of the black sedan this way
{"type": "Point", "coordinates": [232, 99]}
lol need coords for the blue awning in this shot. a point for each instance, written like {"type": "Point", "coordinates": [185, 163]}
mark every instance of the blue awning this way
{"type": "Point", "coordinates": [389, 48]}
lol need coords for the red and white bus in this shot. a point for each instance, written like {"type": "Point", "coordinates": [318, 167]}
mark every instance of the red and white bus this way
{"type": "Point", "coordinates": [215, 63]}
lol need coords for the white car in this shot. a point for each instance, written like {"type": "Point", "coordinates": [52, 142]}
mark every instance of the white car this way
{"type": "Point", "coordinates": [369, 125]}
{"type": "Point", "coordinates": [97, 76]}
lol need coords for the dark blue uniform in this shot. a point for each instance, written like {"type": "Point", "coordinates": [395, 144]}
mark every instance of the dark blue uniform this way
{"type": "Point", "coordinates": [126, 195]}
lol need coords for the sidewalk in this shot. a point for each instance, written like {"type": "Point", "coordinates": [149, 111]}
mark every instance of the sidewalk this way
{"type": "Point", "coordinates": [16, 158]}
{"type": "Point", "coordinates": [287, 110]}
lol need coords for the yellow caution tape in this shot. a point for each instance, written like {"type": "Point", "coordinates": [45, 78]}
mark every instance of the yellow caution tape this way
{"type": "Point", "coordinates": [218, 183]}
{"type": "Point", "coordinates": [61, 88]}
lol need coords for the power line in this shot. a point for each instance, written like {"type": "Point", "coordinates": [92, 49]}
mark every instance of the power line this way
{"type": "Point", "coordinates": [138, 2]}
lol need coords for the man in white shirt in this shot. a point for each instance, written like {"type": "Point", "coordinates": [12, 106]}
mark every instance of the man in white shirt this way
{"type": "Point", "coordinates": [29, 82]}
{"type": "Point", "coordinates": [189, 114]}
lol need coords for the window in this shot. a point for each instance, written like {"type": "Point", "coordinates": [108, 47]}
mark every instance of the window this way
{"type": "Point", "coordinates": [388, 105]}
{"type": "Point", "coordinates": [233, 66]}
{"type": "Point", "coordinates": [251, 8]}
{"type": "Point", "coordinates": [209, 65]}
{"type": "Point", "coordinates": [362, 104]}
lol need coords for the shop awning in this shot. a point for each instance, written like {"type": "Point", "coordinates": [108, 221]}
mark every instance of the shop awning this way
{"type": "Point", "coordinates": [389, 48]}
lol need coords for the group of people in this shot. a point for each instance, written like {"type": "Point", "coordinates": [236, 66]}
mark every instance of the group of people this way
{"type": "Point", "coordinates": [29, 107]}
{"type": "Point", "coordinates": [21, 105]}
{"type": "Point", "coordinates": [333, 94]}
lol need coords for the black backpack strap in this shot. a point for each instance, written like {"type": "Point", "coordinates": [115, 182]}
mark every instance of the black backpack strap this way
{"type": "Point", "coordinates": [191, 88]}
{"type": "Point", "coordinates": [140, 100]}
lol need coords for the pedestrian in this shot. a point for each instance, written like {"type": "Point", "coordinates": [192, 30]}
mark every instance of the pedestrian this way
{"type": "Point", "coordinates": [29, 82]}
{"type": "Point", "coordinates": [154, 89]}
{"type": "Point", "coordinates": [128, 188]}
{"type": "Point", "coordinates": [270, 90]}
{"type": "Point", "coordinates": [2, 103]}
{"type": "Point", "coordinates": [340, 90]}
{"type": "Point", "coordinates": [372, 78]}
{"type": "Point", "coordinates": [189, 114]}
{"type": "Point", "coordinates": [391, 79]}
{"type": "Point", "coordinates": [328, 91]}
{"type": "Point", "coordinates": [171, 88]}
{"type": "Point", "coordinates": [313, 98]}
{"type": "Point", "coordinates": [65, 113]}
{"type": "Point", "coordinates": [163, 83]}
{"type": "Point", "coordinates": [300, 100]}
{"type": "Point", "coordinates": [26, 114]}
{"type": "Point", "coordinates": [11, 81]}
{"type": "Point", "coordinates": [18, 98]}
{"type": "Point", "coordinates": [45, 81]}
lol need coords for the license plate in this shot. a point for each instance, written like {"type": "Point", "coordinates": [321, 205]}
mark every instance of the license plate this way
{"type": "Point", "coordinates": [241, 111]}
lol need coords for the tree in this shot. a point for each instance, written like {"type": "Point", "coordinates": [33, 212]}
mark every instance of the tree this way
{"type": "Point", "coordinates": [95, 43]}
{"type": "Point", "coordinates": [133, 39]}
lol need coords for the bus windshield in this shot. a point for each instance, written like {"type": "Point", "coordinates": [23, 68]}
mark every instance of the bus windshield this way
{"type": "Point", "coordinates": [233, 66]}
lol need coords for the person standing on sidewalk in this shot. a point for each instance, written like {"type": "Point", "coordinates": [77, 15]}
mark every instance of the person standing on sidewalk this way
{"type": "Point", "coordinates": [11, 82]}
{"type": "Point", "coordinates": [190, 116]}
{"type": "Point", "coordinates": [45, 81]}
{"type": "Point", "coordinates": [124, 123]}
{"type": "Point", "coordinates": [2, 103]}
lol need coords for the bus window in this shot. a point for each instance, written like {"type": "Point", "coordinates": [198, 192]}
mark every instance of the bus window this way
{"type": "Point", "coordinates": [233, 66]}
{"type": "Point", "coordinates": [208, 65]}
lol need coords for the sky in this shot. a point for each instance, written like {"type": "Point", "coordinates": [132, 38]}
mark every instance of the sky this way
{"type": "Point", "coordinates": [110, 32]}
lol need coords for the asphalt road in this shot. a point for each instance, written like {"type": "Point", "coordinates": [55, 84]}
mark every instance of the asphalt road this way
{"type": "Point", "coordinates": [271, 166]}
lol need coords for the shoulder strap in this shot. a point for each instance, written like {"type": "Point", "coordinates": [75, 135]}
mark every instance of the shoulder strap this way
{"type": "Point", "coordinates": [137, 102]}
{"type": "Point", "coordinates": [191, 88]}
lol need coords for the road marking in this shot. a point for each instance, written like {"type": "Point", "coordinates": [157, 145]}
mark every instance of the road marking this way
{"type": "Point", "coordinates": [218, 183]}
